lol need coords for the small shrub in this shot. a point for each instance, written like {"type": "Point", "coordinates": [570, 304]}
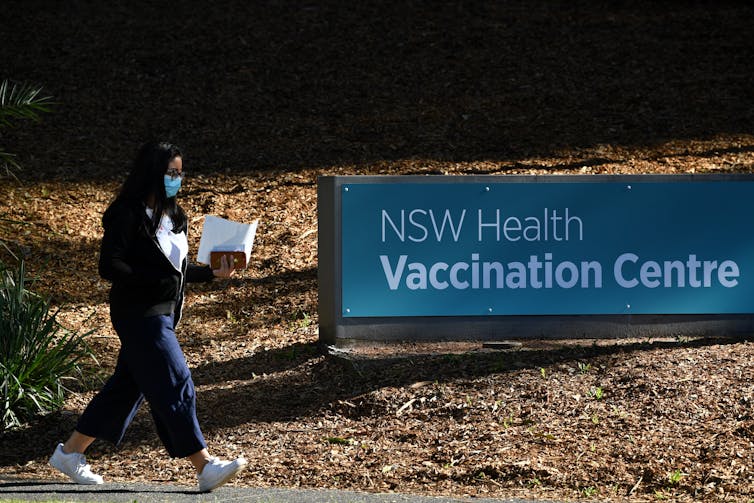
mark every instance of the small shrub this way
{"type": "Point", "coordinates": [36, 352]}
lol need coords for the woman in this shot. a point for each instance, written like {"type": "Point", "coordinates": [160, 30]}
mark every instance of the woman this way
{"type": "Point", "coordinates": [144, 255]}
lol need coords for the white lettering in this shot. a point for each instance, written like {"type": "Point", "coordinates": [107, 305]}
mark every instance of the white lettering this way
{"type": "Point", "coordinates": [528, 235]}
{"type": "Point", "coordinates": [726, 272]}
{"type": "Point", "coordinates": [417, 279]}
{"type": "Point", "coordinates": [458, 266]}
{"type": "Point", "coordinates": [439, 285]}
{"type": "Point", "coordinates": [629, 271]}
{"type": "Point", "coordinates": [675, 273]}
{"type": "Point", "coordinates": [573, 272]}
{"type": "Point", "coordinates": [618, 270]}
{"type": "Point", "coordinates": [511, 224]}
{"type": "Point", "coordinates": [393, 277]}
{"type": "Point", "coordinates": [496, 225]}
{"type": "Point", "coordinates": [455, 231]}
{"type": "Point", "coordinates": [516, 277]}
{"type": "Point", "coordinates": [594, 267]}
{"type": "Point", "coordinates": [417, 225]}
{"type": "Point", "coordinates": [399, 233]}
{"type": "Point", "coordinates": [649, 272]}
{"type": "Point", "coordinates": [488, 268]}
{"type": "Point", "coordinates": [680, 273]}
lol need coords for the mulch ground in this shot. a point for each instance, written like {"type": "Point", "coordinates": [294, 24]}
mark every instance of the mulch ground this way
{"type": "Point", "coordinates": [264, 97]}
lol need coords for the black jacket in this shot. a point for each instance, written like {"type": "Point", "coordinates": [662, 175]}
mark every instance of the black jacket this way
{"type": "Point", "coordinates": [144, 281]}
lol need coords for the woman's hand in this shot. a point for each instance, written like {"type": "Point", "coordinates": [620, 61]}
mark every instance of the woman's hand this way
{"type": "Point", "coordinates": [227, 269]}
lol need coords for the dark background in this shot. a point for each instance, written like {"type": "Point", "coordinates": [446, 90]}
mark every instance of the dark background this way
{"type": "Point", "coordinates": [248, 85]}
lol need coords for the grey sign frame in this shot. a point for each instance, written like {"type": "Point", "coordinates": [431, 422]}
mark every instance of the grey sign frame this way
{"type": "Point", "coordinates": [334, 328]}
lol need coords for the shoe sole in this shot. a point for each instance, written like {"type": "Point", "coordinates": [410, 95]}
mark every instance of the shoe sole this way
{"type": "Point", "coordinates": [84, 483]}
{"type": "Point", "coordinates": [223, 480]}
{"type": "Point", "coordinates": [60, 469]}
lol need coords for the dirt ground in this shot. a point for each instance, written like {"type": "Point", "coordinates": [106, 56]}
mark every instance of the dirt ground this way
{"type": "Point", "coordinates": [264, 97]}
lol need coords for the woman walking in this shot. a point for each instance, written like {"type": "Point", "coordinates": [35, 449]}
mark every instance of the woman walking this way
{"type": "Point", "coordinates": [144, 254]}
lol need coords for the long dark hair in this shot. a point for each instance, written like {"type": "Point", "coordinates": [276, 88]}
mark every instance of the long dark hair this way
{"type": "Point", "coordinates": [146, 179]}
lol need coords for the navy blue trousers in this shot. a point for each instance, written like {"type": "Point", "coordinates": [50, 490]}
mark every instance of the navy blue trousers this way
{"type": "Point", "coordinates": [150, 366]}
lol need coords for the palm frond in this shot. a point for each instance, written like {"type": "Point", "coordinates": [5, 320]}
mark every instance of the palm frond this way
{"type": "Point", "coordinates": [21, 101]}
{"type": "Point", "coordinates": [9, 164]}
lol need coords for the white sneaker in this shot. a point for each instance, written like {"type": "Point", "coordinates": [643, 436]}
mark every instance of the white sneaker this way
{"type": "Point", "coordinates": [74, 465]}
{"type": "Point", "coordinates": [215, 473]}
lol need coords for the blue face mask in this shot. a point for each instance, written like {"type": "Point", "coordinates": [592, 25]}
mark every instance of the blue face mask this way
{"type": "Point", "coordinates": [172, 185]}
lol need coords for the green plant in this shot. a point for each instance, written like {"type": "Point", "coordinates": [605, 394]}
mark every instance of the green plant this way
{"type": "Point", "coordinates": [340, 441]}
{"type": "Point", "coordinates": [597, 393]}
{"type": "Point", "coordinates": [588, 492]}
{"type": "Point", "coordinates": [675, 477]}
{"type": "Point", "coordinates": [507, 422]}
{"type": "Point", "coordinates": [299, 319]}
{"type": "Point", "coordinates": [19, 101]}
{"type": "Point", "coordinates": [36, 352]}
{"type": "Point", "coordinates": [305, 320]}
{"type": "Point", "coordinates": [584, 368]}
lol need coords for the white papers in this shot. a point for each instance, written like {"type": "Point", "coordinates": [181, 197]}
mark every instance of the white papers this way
{"type": "Point", "coordinates": [219, 234]}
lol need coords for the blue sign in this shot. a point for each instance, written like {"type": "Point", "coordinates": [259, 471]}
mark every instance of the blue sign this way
{"type": "Point", "coordinates": [561, 248]}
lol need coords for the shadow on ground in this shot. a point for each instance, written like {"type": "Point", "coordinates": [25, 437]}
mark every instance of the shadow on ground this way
{"type": "Point", "coordinates": [282, 394]}
{"type": "Point", "coordinates": [272, 387]}
{"type": "Point", "coordinates": [286, 85]}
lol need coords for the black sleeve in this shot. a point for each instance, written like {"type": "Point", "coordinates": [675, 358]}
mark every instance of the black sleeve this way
{"type": "Point", "coordinates": [198, 273]}
{"type": "Point", "coordinates": [121, 232]}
